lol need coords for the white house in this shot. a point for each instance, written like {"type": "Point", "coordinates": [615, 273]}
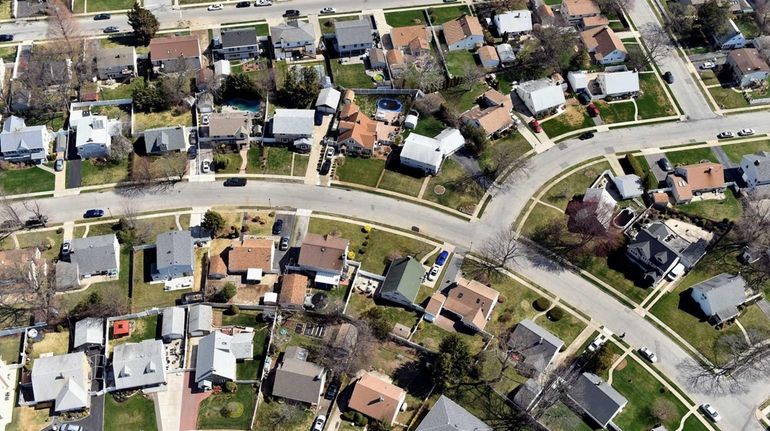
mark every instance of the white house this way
{"type": "Point", "coordinates": [328, 100]}
{"type": "Point", "coordinates": [604, 44]}
{"type": "Point", "coordinates": [720, 296]}
{"type": "Point", "coordinates": [463, 33]}
{"type": "Point", "coordinates": [427, 154]}
{"type": "Point", "coordinates": [513, 22]}
{"type": "Point", "coordinates": [578, 79]}
{"type": "Point", "coordinates": [175, 257]}
{"type": "Point", "coordinates": [756, 168]}
{"type": "Point", "coordinates": [540, 96]}
{"type": "Point", "coordinates": [294, 39]}
{"type": "Point", "coordinates": [290, 125]}
{"type": "Point", "coordinates": [730, 38]}
{"type": "Point", "coordinates": [21, 143]}
{"type": "Point", "coordinates": [92, 136]}
{"type": "Point", "coordinates": [617, 84]}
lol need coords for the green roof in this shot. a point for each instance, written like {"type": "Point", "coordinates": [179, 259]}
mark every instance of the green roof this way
{"type": "Point", "coordinates": [404, 276]}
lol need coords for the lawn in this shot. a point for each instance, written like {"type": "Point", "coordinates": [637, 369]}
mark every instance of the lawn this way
{"type": "Point", "coordinates": [559, 417]}
{"type": "Point", "coordinates": [53, 342]}
{"type": "Point", "coordinates": [429, 126]}
{"type": "Point", "coordinates": [26, 180]}
{"type": "Point", "coordinates": [708, 77]}
{"type": "Point", "coordinates": [518, 305]}
{"type": "Point", "coordinates": [653, 102]}
{"type": "Point", "coordinates": [573, 118]}
{"type": "Point", "coordinates": [440, 15]}
{"type": "Point", "coordinates": [113, 291]}
{"type": "Point", "coordinates": [616, 112]}
{"type": "Point", "coordinates": [95, 172]}
{"type": "Point", "coordinates": [210, 414]}
{"type": "Point", "coordinates": [393, 314]}
{"type": "Point", "coordinates": [8, 53]}
{"type": "Point", "coordinates": [514, 145]}
{"type": "Point", "coordinates": [736, 151]}
{"type": "Point", "coordinates": [728, 208]}
{"type": "Point", "coordinates": [143, 121]}
{"type": "Point", "coordinates": [48, 241]}
{"type": "Point", "coordinates": [143, 328]}
{"type": "Point", "coordinates": [575, 184]}
{"type": "Point", "coordinates": [691, 157]}
{"type": "Point", "coordinates": [294, 417]}
{"type": "Point", "coordinates": [121, 91]}
{"type": "Point", "coordinates": [430, 336]}
{"type": "Point", "coordinates": [108, 5]}
{"type": "Point", "coordinates": [134, 414]}
{"type": "Point", "coordinates": [10, 347]}
{"type": "Point", "coordinates": [727, 98]}
{"type": "Point", "coordinates": [541, 215]}
{"type": "Point", "coordinates": [359, 170]}
{"type": "Point", "coordinates": [300, 165]}
{"type": "Point", "coordinates": [405, 18]}
{"type": "Point", "coordinates": [400, 182]}
{"type": "Point", "coordinates": [463, 97]}
{"type": "Point", "coordinates": [460, 192]}
{"type": "Point", "coordinates": [227, 163]}
{"type": "Point", "coordinates": [694, 424]}
{"type": "Point", "coordinates": [459, 61]}
{"type": "Point", "coordinates": [567, 328]}
{"type": "Point", "coordinates": [278, 161]}
{"type": "Point", "coordinates": [350, 75]}
{"type": "Point", "coordinates": [249, 370]}
{"type": "Point", "coordinates": [145, 295]}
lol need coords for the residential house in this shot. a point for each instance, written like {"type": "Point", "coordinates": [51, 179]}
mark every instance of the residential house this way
{"type": "Point", "coordinates": [176, 54]}
{"type": "Point", "coordinates": [720, 296]}
{"type": "Point", "coordinates": [377, 60]}
{"type": "Point", "coordinates": [292, 125]}
{"type": "Point", "coordinates": [217, 268]}
{"type": "Point", "coordinates": [93, 136]}
{"type": "Point", "coordinates": [593, 213]}
{"type": "Point", "coordinates": [396, 61]}
{"type": "Point", "coordinates": [116, 63]}
{"type": "Point", "coordinates": [492, 120]}
{"type": "Point", "coordinates": [658, 252]}
{"type": "Point", "coordinates": [325, 256]}
{"type": "Point", "coordinates": [64, 380]}
{"type": "Point", "coordinates": [250, 254]}
{"type": "Point", "coordinates": [488, 57]}
{"type": "Point", "coordinates": [619, 84]}
{"type": "Point", "coordinates": [175, 257]}
{"type": "Point", "coordinates": [756, 169]}
{"type": "Point", "coordinates": [413, 40]}
{"type": "Point", "coordinates": [222, 68]}
{"type": "Point", "coordinates": [427, 154]}
{"type": "Point", "coordinates": [377, 398]}
{"type": "Point", "coordinates": [513, 22]}
{"type": "Point", "coordinates": [293, 291]}
{"type": "Point", "coordinates": [729, 37]}
{"type": "Point", "coordinates": [541, 96]}
{"type": "Point", "coordinates": [402, 282]}
{"type": "Point", "coordinates": [597, 398]}
{"type": "Point", "coordinates": [545, 16]}
{"type": "Point", "coordinates": [353, 37]}
{"type": "Point", "coordinates": [328, 100]}
{"type": "Point", "coordinates": [593, 21]}
{"type": "Point", "coordinates": [604, 44]}
{"type": "Point", "coordinates": [293, 39]}
{"type": "Point", "coordinates": [629, 186]}
{"type": "Point", "coordinates": [692, 180]}
{"type": "Point", "coordinates": [447, 415]}
{"type": "Point", "coordinates": [463, 33]}
{"type": "Point", "coordinates": [231, 128]}
{"type": "Point", "coordinates": [578, 80]}
{"type": "Point", "coordinates": [575, 10]}
{"type": "Point", "coordinates": [200, 319]}
{"type": "Point", "coordinates": [166, 139]}
{"type": "Point", "coordinates": [218, 355]}
{"type": "Point", "coordinates": [89, 333]}
{"type": "Point", "coordinates": [238, 43]}
{"type": "Point", "coordinates": [472, 302]}
{"type": "Point", "coordinates": [297, 379]}
{"type": "Point", "coordinates": [359, 135]}
{"type": "Point", "coordinates": [527, 393]}
{"type": "Point", "coordinates": [139, 365]}
{"type": "Point", "coordinates": [172, 324]}
{"type": "Point", "coordinates": [96, 255]}
{"type": "Point", "coordinates": [533, 348]}
{"type": "Point", "coordinates": [505, 52]}
{"type": "Point", "coordinates": [748, 67]}
{"type": "Point", "coordinates": [20, 143]}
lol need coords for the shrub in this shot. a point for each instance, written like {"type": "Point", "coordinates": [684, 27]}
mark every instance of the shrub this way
{"type": "Point", "coordinates": [505, 317]}
{"type": "Point", "coordinates": [556, 314]}
{"type": "Point", "coordinates": [351, 255]}
{"type": "Point", "coordinates": [59, 328]}
{"type": "Point", "coordinates": [234, 311]}
{"type": "Point", "coordinates": [348, 415]}
{"type": "Point", "coordinates": [231, 387]}
{"type": "Point", "coordinates": [232, 410]}
{"type": "Point", "coordinates": [59, 230]}
{"type": "Point", "coordinates": [542, 304]}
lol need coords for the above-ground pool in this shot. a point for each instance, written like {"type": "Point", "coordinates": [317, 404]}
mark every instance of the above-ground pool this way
{"type": "Point", "coordinates": [244, 105]}
{"type": "Point", "coordinates": [392, 105]}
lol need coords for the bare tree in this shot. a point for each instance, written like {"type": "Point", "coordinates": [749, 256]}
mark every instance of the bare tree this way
{"type": "Point", "coordinates": [425, 74]}
{"type": "Point", "coordinates": [120, 147]}
{"type": "Point", "coordinates": [507, 168]}
{"type": "Point", "coordinates": [614, 6]}
{"type": "Point", "coordinates": [10, 217]}
{"type": "Point", "coordinates": [68, 41]}
{"type": "Point", "coordinates": [656, 43]}
{"type": "Point", "coordinates": [471, 73]}
{"type": "Point", "coordinates": [762, 15]}
{"type": "Point", "coordinates": [28, 287]}
{"type": "Point", "coordinates": [160, 175]}
{"type": "Point", "coordinates": [340, 361]}
{"type": "Point", "coordinates": [499, 251]}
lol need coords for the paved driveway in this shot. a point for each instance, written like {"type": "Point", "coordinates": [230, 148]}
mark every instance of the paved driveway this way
{"type": "Point", "coordinates": [95, 419]}
{"type": "Point", "coordinates": [191, 400]}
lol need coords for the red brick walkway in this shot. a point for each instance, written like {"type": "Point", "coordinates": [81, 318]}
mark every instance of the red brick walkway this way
{"type": "Point", "coordinates": [190, 403]}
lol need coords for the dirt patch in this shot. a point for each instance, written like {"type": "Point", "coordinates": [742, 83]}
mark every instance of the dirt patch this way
{"type": "Point", "coordinates": [621, 365]}
{"type": "Point", "coordinates": [250, 294]}
{"type": "Point", "coordinates": [32, 420]}
{"type": "Point", "coordinates": [572, 116]}
{"type": "Point", "coordinates": [439, 190]}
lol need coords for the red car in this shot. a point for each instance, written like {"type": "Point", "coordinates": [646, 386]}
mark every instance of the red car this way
{"type": "Point", "coordinates": [535, 125]}
{"type": "Point", "coordinates": [592, 110]}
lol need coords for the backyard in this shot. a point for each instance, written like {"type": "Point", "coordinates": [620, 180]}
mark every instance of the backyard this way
{"type": "Point", "coordinates": [228, 410]}
{"type": "Point", "coordinates": [144, 121]}
{"type": "Point", "coordinates": [715, 209]}
{"type": "Point", "coordinates": [10, 347]}
{"type": "Point", "coordinates": [350, 75]}
{"type": "Point", "coordinates": [459, 61]}
{"type": "Point", "coordinates": [463, 97]}
{"type": "Point", "coordinates": [137, 413]}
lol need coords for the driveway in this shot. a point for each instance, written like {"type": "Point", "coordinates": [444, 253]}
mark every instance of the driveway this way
{"type": "Point", "coordinates": [168, 403]}
{"type": "Point", "coordinates": [95, 418]}
{"type": "Point", "coordinates": [453, 268]}
{"type": "Point", "coordinates": [191, 401]}
{"type": "Point", "coordinates": [289, 221]}
{"type": "Point", "coordinates": [652, 162]}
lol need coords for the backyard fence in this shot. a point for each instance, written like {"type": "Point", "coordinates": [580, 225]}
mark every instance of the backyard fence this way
{"type": "Point", "coordinates": [386, 91]}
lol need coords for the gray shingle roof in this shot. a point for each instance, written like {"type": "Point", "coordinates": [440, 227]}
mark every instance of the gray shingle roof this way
{"type": "Point", "coordinates": [447, 415]}
{"type": "Point", "coordinates": [62, 379]}
{"type": "Point", "coordinates": [236, 37]}
{"type": "Point", "coordinates": [404, 276]}
{"type": "Point", "coordinates": [17, 136]}
{"type": "Point", "coordinates": [296, 379]}
{"type": "Point", "coordinates": [761, 165]}
{"type": "Point", "coordinates": [293, 122]}
{"type": "Point", "coordinates": [328, 97]}
{"type": "Point", "coordinates": [535, 344]}
{"type": "Point", "coordinates": [353, 32]}
{"type": "Point", "coordinates": [89, 331]}
{"type": "Point", "coordinates": [136, 365]}
{"type": "Point", "coordinates": [172, 324]}
{"type": "Point", "coordinates": [597, 398]}
{"type": "Point", "coordinates": [115, 57]}
{"type": "Point", "coordinates": [175, 248]}
{"type": "Point", "coordinates": [95, 253]}
{"type": "Point", "coordinates": [200, 318]}
{"type": "Point", "coordinates": [723, 293]}
{"type": "Point", "coordinates": [218, 352]}
{"type": "Point", "coordinates": [165, 139]}
{"type": "Point", "coordinates": [292, 32]}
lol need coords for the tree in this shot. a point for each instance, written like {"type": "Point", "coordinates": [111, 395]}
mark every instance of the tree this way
{"type": "Point", "coordinates": [614, 7]}
{"type": "Point", "coordinates": [656, 45]}
{"type": "Point", "coordinates": [240, 85]}
{"type": "Point", "coordinates": [600, 361]}
{"type": "Point", "coordinates": [281, 416]}
{"type": "Point", "coordinates": [426, 75]}
{"type": "Point", "coordinates": [713, 17]}
{"type": "Point", "coordinates": [174, 89]}
{"type": "Point", "coordinates": [359, 357]}
{"type": "Point", "coordinates": [301, 86]}
{"type": "Point", "coordinates": [213, 222]}
{"type": "Point", "coordinates": [120, 148]}
{"type": "Point", "coordinates": [378, 323]}
{"type": "Point", "coordinates": [496, 253]}
{"type": "Point", "coordinates": [556, 47]}
{"type": "Point", "coordinates": [227, 293]}
{"type": "Point", "coordinates": [148, 97]}
{"type": "Point", "coordinates": [29, 287]}
{"type": "Point", "coordinates": [663, 409]}
{"type": "Point", "coordinates": [452, 362]}
{"type": "Point", "coordinates": [68, 43]}
{"type": "Point", "coordinates": [475, 136]}
{"type": "Point", "coordinates": [144, 23]}
{"type": "Point", "coordinates": [231, 387]}
{"type": "Point", "coordinates": [94, 305]}
{"type": "Point", "coordinates": [681, 19]}
{"type": "Point", "coordinates": [762, 15]}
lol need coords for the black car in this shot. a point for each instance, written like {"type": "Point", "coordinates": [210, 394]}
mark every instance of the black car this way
{"type": "Point", "coordinates": [36, 221]}
{"type": "Point", "coordinates": [235, 182]}
{"type": "Point", "coordinates": [325, 167]}
{"type": "Point", "coordinates": [277, 227]}
{"type": "Point", "coordinates": [586, 135]}
{"type": "Point", "coordinates": [331, 391]}
{"type": "Point", "coordinates": [111, 29]}
{"type": "Point", "coordinates": [192, 152]}
{"type": "Point", "coordinates": [93, 213]}
{"type": "Point", "coordinates": [243, 4]}
{"type": "Point", "coordinates": [668, 77]}
{"type": "Point", "coordinates": [6, 37]}
{"type": "Point", "coordinates": [665, 165]}
{"type": "Point", "coordinates": [291, 13]}
{"type": "Point", "coordinates": [101, 16]}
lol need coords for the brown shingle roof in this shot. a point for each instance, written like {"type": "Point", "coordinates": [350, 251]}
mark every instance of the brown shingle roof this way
{"type": "Point", "coordinates": [323, 251]}
{"type": "Point", "coordinates": [472, 301]}
{"type": "Point", "coordinates": [229, 124]}
{"type": "Point", "coordinates": [167, 48]}
{"type": "Point", "coordinates": [400, 37]}
{"type": "Point", "coordinates": [357, 126]}
{"type": "Point", "coordinates": [462, 28]}
{"type": "Point", "coordinates": [491, 119]}
{"type": "Point", "coordinates": [487, 52]}
{"type": "Point", "coordinates": [747, 60]}
{"type": "Point", "coordinates": [376, 398]}
{"type": "Point", "coordinates": [581, 7]}
{"type": "Point", "coordinates": [395, 57]}
{"type": "Point", "coordinates": [293, 287]}
{"type": "Point", "coordinates": [595, 21]}
{"type": "Point", "coordinates": [252, 253]}
{"type": "Point", "coordinates": [704, 176]}
{"type": "Point", "coordinates": [602, 40]}
{"type": "Point", "coordinates": [497, 98]}
{"type": "Point", "coordinates": [217, 265]}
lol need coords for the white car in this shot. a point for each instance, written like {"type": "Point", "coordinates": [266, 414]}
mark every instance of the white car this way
{"type": "Point", "coordinates": [433, 272]}
{"type": "Point", "coordinates": [648, 354]}
{"type": "Point", "coordinates": [329, 152]}
{"type": "Point", "coordinates": [318, 425]}
{"type": "Point", "coordinates": [597, 343]}
{"type": "Point", "coordinates": [708, 65]}
{"type": "Point", "coordinates": [746, 132]}
{"type": "Point", "coordinates": [725, 135]}
{"type": "Point", "coordinates": [259, 3]}
{"type": "Point", "coordinates": [217, 6]}
{"type": "Point", "coordinates": [328, 10]}
{"type": "Point", "coordinates": [206, 167]}
{"type": "Point", "coordinates": [205, 120]}
{"type": "Point", "coordinates": [710, 412]}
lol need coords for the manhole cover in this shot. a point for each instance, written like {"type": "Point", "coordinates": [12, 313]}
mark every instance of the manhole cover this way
{"type": "Point", "coordinates": [439, 190]}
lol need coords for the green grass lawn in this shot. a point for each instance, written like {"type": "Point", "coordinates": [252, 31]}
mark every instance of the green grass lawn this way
{"type": "Point", "coordinates": [359, 170]}
{"type": "Point", "coordinates": [642, 391]}
{"type": "Point", "coordinates": [93, 172]}
{"type": "Point", "coordinates": [52, 342]}
{"type": "Point", "coordinates": [144, 121]}
{"type": "Point", "coordinates": [299, 418]}
{"type": "Point", "coordinates": [728, 208]}
{"type": "Point", "coordinates": [691, 157]}
{"type": "Point", "coordinates": [144, 294]}
{"type": "Point", "coordinates": [513, 145]}
{"type": "Point", "coordinates": [575, 184]}
{"type": "Point", "coordinates": [359, 304]}
{"type": "Point", "coordinates": [540, 215]}
{"type": "Point", "coordinates": [300, 165]}
{"type": "Point", "coordinates": [567, 329]}
{"type": "Point", "coordinates": [8, 53]}
{"type": "Point", "coordinates": [106, 5]}
{"type": "Point", "coordinates": [350, 75]}
{"type": "Point", "coordinates": [653, 102]}
{"type": "Point", "coordinates": [559, 417]}
{"type": "Point", "coordinates": [458, 61]}
{"type": "Point", "coordinates": [401, 182]}
{"type": "Point", "coordinates": [736, 151]}
{"type": "Point", "coordinates": [26, 180]}
{"type": "Point", "coordinates": [278, 161]}
{"type": "Point", "coordinates": [405, 18]}
{"type": "Point", "coordinates": [210, 414]}
{"type": "Point", "coordinates": [708, 77]}
{"type": "Point", "coordinates": [134, 414]}
{"type": "Point", "coordinates": [430, 336]}
{"type": "Point", "coordinates": [231, 162]}
{"type": "Point", "coordinates": [143, 328]}
{"type": "Point", "coordinates": [693, 424]}
{"type": "Point", "coordinates": [727, 98]}
{"type": "Point", "coordinates": [429, 126]}
{"type": "Point", "coordinates": [114, 291]}
{"type": "Point", "coordinates": [440, 15]}
{"type": "Point", "coordinates": [121, 91]}
{"type": "Point", "coordinates": [461, 192]}
{"type": "Point", "coordinates": [10, 348]}
{"type": "Point", "coordinates": [463, 97]}
{"type": "Point", "coordinates": [573, 118]}
{"type": "Point", "coordinates": [518, 305]}
{"type": "Point", "coordinates": [48, 241]}
{"type": "Point", "coordinates": [616, 112]}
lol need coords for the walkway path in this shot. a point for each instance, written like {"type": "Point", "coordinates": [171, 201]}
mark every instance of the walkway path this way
{"type": "Point", "coordinates": [244, 160]}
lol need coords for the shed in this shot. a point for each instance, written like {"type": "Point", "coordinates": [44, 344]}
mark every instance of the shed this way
{"type": "Point", "coordinates": [200, 320]}
{"type": "Point", "coordinates": [270, 298]}
{"type": "Point", "coordinates": [89, 332]}
{"type": "Point", "coordinates": [172, 325]}
{"type": "Point", "coordinates": [410, 122]}
{"type": "Point", "coordinates": [120, 328]}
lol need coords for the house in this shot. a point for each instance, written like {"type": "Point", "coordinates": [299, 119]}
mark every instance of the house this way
{"type": "Point", "coordinates": [541, 96]}
{"type": "Point", "coordinates": [92, 136]}
{"type": "Point", "coordinates": [402, 282]}
{"type": "Point", "coordinates": [116, 63]}
{"type": "Point", "coordinates": [293, 39]}
{"type": "Point", "coordinates": [619, 84]}
{"type": "Point", "coordinates": [578, 80]}
{"type": "Point", "coordinates": [297, 379]}
{"type": "Point", "coordinates": [377, 59]}
{"type": "Point", "coordinates": [729, 36]}
{"type": "Point", "coordinates": [166, 139]}
{"type": "Point", "coordinates": [290, 125]}
{"type": "Point", "coordinates": [575, 10]}
{"type": "Point", "coordinates": [748, 67]}
{"type": "Point", "coordinates": [427, 154]}
{"type": "Point", "coordinates": [377, 398]}
{"type": "Point", "coordinates": [200, 319]}
{"type": "Point", "coordinates": [412, 39]}
{"type": "Point", "coordinates": [447, 415]}
{"type": "Point", "coordinates": [89, 332]}
{"type": "Point", "coordinates": [756, 169]}
{"type": "Point", "coordinates": [175, 257]}
{"type": "Point", "coordinates": [328, 100]}
{"type": "Point", "coordinates": [238, 43]}
{"type": "Point", "coordinates": [527, 393]}
{"type": "Point", "coordinates": [488, 57]}
{"type": "Point", "coordinates": [658, 252]}
{"type": "Point", "coordinates": [139, 365]}
{"type": "Point", "coordinates": [353, 37]}
{"type": "Point", "coordinates": [217, 356]}
{"type": "Point", "coordinates": [545, 16]}
{"type": "Point", "coordinates": [19, 143]}
{"type": "Point", "coordinates": [96, 255]}
{"type": "Point", "coordinates": [293, 291]}
{"type": "Point", "coordinates": [590, 22]}
{"type": "Point", "coordinates": [629, 186]}
{"type": "Point", "coordinates": [692, 180]}
{"type": "Point", "coordinates": [494, 98]}
{"type": "Point", "coordinates": [472, 302]}
{"type": "Point", "coordinates": [593, 213]}
{"type": "Point", "coordinates": [396, 61]}
{"type": "Point", "coordinates": [64, 380]}
{"type": "Point", "coordinates": [222, 68]}
{"type": "Point", "coordinates": [175, 54]}
{"type": "Point", "coordinates": [325, 256]}
{"type": "Point", "coordinates": [604, 44]}
{"type": "Point", "coordinates": [720, 296]}
{"type": "Point", "coordinates": [533, 347]}
{"type": "Point", "coordinates": [250, 254]}
{"type": "Point", "coordinates": [359, 135]}
{"type": "Point", "coordinates": [172, 324]}
{"type": "Point", "coordinates": [505, 52]}
{"type": "Point", "coordinates": [513, 22]}
{"type": "Point", "coordinates": [463, 33]}
{"type": "Point", "coordinates": [596, 398]}
{"type": "Point", "coordinates": [217, 268]}
{"type": "Point", "coordinates": [492, 120]}
{"type": "Point", "coordinates": [231, 128]}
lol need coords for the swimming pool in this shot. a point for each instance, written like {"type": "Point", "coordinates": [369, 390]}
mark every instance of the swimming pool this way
{"type": "Point", "coordinates": [392, 105]}
{"type": "Point", "coordinates": [244, 105]}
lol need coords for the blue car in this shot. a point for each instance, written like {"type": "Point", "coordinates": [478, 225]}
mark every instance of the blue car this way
{"type": "Point", "coordinates": [441, 259]}
{"type": "Point", "coordinates": [93, 214]}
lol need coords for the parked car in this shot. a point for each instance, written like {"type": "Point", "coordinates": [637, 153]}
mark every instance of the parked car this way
{"type": "Point", "coordinates": [708, 65]}
{"type": "Point", "coordinates": [328, 10]}
{"type": "Point", "coordinates": [585, 136]}
{"type": "Point", "coordinates": [433, 272]}
{"type": "Point", "coordinates": [746, 132]}
{"type": "Point", "coordinates": [332, 390]}
{"type": "Point", "coordinates": [6, 37]}
{"type": "Point", "coordinates": [441, 259]}
{"type": "Point", "coordinates": [217, 6]}
{"type": "Point", "coordinates": [36, 221]}
{"type": "Point", "coordinates": [710, 412]}
{"type": "Point", "coordinates": [597, 343]}
{"type": "Point", "coordinates": [205, 120]}
{"type": "Point", "coordinates": [535, 125]}
{"type": "Point", "coordinates": [259, 3]}
{"type": "Point", "coordinates": [319, 423]}
{"type": "Point", "coordinates": [235, 182]}
{"type": "Point", "coordinates": [665, 165]}
{"type": "Point", "coordinates": [65, 248]}
{"type": "Point", "coordinates": [277, 226]}
{"type": "Point", "coordinates": [725, 135]}
{"type": "Point", "coordinates": [102, 16]}
{"type": "Point", "coordinates": [71, 427]}
{"type": "Point", "coordinates": [284, 245]}
{"type": "Point", "coordinates": [206, 167]}
{"type": "Point", "coordinates": [329, 152]}
{"type": "Point", "coordinates": [592, 110]}
{"type": "Point", "coordinates": [325, 167]}
{"type": "Point", "coordinates": [93, 213]}
{"type": "Point", "coordinates": [111, 29]}
{"type": "Point", "coordinates": [58, 165]}
{"type": "Point", "coordinates": [583, 98]}
{"type": "Point", "coordinates": [291, 13]}
{"type": "Point", "coordinates": [243, 4]}
{"type": "Point", "coordinates": [648, 354]}
{"type": "Point", "coordinates": [668, 77]}
{"type": "Point", "coordinates": [192, 152]}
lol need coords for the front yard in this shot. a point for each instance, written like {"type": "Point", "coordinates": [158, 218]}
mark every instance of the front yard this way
{"type": "Point", "coordinates": [692, 156]}
{"type": "Point", "coordinates": [275, 161]}
{"type": "Point", "coordinates": [95, 172]}
{"type": "Point", "coordinates": [453, 187]}
{"type": "Point", "coordinates": [405, 18]}
{"type": "Point", "coordinates": [291, 417]}
{"type": "Point", "coordinates": [574, 117]}
{"type": "Point", "coordinates": [440, 15]}
{"type": "Point", "coordinates": [653, 102]}
{"type": "Point", "coordinates": [574, 184]}
{"type": "Point", "coordinates": [134, 414]}
{"type": "Point", "coordinates": [728, 97]}
{"type": "Point", "coordinates": [617, 112]}
{"type": "Point", "coordinates": [358, 170]}
{"type": "Point", "coordinates": [228, 411]}
{"type": "Point", "coordinates": [401, 182]}
{"type": "Point", "coordinates": [736, 151]}
{"type": "Point", "coordinates": [25, 180]}
{"type": "Point", "coordinates": [350, 75]}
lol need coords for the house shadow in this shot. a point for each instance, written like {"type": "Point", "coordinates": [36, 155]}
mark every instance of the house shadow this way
{"type": "Point", "coordinates": [688, 305]}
